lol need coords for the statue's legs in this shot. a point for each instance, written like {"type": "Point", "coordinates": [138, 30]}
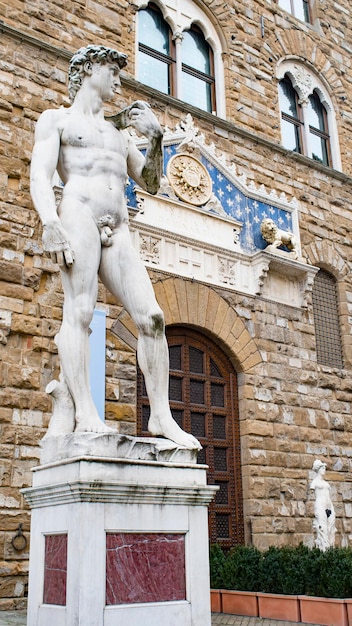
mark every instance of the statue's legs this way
{"type": "Point", "coordinates": [80, 284]}
{"type": "Point", "coordinates": [126, 277]}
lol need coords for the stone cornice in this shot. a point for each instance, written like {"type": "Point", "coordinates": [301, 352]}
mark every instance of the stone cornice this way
{"type": "Point", "coordinates": [86, 491]}
{"type": "Point", "coordinates": [182, 106]}
{"type": "Point", "coordinates": [34, 41]}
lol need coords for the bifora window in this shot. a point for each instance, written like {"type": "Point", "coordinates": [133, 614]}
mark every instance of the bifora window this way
{"type": "Point", "coordinates": [298, 8]}
{"type": "Point", "coordinates": [326, 320]}
{"type": "Point", "coordinates": [203, 401]}
{"type": "Point", "coordinates": [304, 126]}
{"type": "Point", "coordinates": [188, 73]}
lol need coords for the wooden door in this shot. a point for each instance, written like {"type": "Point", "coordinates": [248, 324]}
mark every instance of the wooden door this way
{"type": "Point", "coordinates": [203, 401]}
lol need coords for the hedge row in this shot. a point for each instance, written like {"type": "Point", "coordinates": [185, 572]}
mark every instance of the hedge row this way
{"type": "Point", "coordinates": [287, 570]}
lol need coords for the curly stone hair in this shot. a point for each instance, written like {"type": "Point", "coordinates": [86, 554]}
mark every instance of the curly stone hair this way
{"type": "Point", "coordinates": [94, 54]}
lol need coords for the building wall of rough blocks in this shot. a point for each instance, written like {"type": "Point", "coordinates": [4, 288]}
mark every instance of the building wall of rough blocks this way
{"type": "Point", "coordinates": [291, 409]}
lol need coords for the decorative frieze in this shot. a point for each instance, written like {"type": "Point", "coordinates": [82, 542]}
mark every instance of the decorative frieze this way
{"type": "Point", "coordinates": [184, 240]}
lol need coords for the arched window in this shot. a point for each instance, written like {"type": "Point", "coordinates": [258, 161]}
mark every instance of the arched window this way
{"type": "Point", "coordinates": [298, 8]}
{"type": "Point", "coordinates": [156, 51]}
{"type": "Point", "coordinates": [182, 61]}
{"type": "Point", "coordinates": [308, 124]}
{"type": "Point", "coordinates": [291, 117]}
{"type": "Point", "coordinates": [203, 400]}
{"type": "Point", "coordinates": [319, 144]}
{"type": "Point", "coordinates": [326, 320]}
{"type": "Point", "coordinates": [197, 70]}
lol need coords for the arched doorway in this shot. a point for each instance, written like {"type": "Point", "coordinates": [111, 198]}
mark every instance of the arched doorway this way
{"type": "Point", "coordinates": [203, 401]}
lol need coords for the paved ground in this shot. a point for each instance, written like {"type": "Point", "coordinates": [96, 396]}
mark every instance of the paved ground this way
{"type": "Point", "coordinates": [240, 620]}
{"type": "Point", "coordinates": [18, 618]}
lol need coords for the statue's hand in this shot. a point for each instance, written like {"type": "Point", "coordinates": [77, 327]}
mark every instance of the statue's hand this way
{"type": "Point", "coordinates": [143, 119]}
{"type": "Point", "coordinates": [56, 244]}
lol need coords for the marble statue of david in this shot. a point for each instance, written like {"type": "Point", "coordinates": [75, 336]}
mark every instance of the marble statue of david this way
{"type": "Point", "coordinates": [88, 235]}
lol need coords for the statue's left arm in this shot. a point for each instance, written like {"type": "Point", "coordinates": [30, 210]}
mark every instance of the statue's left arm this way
{"type": "Point", "coordinates": [146, 170]}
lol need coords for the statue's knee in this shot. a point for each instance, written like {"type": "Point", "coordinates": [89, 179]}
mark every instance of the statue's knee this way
{"type": "Point", "coordinates": [153, 324]}
{"type": "Point", "coordinates": [83, 315]}
{"type": "Point", "coordinates": [158, 323]}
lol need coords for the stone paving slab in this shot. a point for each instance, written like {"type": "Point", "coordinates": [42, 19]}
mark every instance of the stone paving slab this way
{"type": "Point", "coordinates": [18, 618]}
{"type": "Point", "coordinates": [241, 620]}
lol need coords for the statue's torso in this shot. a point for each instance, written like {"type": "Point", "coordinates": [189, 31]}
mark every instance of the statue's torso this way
{"type": "Point", "coordinates": [93, 164]}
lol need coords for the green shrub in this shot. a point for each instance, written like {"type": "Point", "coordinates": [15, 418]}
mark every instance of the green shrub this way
{"type": "Point", "coordinates": [329, 574]}
{"type": "Point", "coordinates": [217, 560]}
{"type": "Point", "coordinates": [283, 570]}
{"type": "Point", "coordinates": [241, 569]}
{"type": "Point", "coordinates": [286, 570]}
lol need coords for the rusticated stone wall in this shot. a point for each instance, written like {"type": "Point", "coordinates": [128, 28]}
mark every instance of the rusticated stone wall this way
{"type": "Point", "coordinates": [291, 409]}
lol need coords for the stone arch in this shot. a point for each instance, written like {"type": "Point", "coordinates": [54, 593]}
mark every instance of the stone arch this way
{"type": "Point", "coordinates": [323, 254]}
{"type": "Point", "coordinates": [304, 79]}
{"type": "Point", "coordinates": [285, 46]}
{"type": "Point", "coordinates": [195, 304]}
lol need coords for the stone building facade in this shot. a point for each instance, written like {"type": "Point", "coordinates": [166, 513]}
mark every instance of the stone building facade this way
{"type": "Point", "coordinates": [250, 305]}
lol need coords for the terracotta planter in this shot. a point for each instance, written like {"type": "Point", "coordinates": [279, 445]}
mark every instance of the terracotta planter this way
{"type": "Point", "coordinates": [348, 603]}
{"type": "Point", "coordinates": [277, 606]}
{"type": "Point", "coordinates": [240, 602]}
{"type": "Point", "coordinates": [323, 611]}
{"type": "Point", "coordinates": [215, 601]}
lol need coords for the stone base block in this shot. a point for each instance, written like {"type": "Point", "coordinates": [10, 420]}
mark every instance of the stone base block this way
{"type": "Point", "coordinates": [119, 534]}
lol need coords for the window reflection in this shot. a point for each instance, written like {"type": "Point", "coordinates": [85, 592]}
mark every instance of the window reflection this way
{"type": "Point", "coordinates": [196, 92]}
{"type": "Point", "coordinates": [291, 124]}
{"type": "Point", "coordinates": [318, 136]}
{"type": "Point", "coordinates": [153, 30]}
{"type": "Point", "coordinates": [315, 112]}
{"type": "Point", "coordinates": [287, 97]}
{"type": "Point", "coordinates": [290, 136]}
{"type": "Point", "coordinates": [153, 72]}
{"type": "Point", "coordinates": [197, 82]}
{"type": "Point", "coordinates": [156, 50]}
{"type": "Point", "coordinates": [195, 51]}
{"type": "Point", "coordinates": [298, 8]}
{"type": "Point", "coordinates": [318, 149]}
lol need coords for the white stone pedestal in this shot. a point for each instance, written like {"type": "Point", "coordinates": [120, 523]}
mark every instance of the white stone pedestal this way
{"type": "Point", "coordinates": [119, 534]}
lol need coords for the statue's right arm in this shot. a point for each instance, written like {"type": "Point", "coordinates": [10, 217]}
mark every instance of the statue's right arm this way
{"type": "Point", "coordinates": [44, 162]}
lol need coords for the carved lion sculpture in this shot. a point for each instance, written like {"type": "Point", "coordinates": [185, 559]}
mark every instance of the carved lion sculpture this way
{"type": "Point", "coordinates": [276, 237]}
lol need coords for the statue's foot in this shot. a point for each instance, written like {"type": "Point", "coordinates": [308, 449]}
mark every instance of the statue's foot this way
{"type": "Point", "coordinates": [92, 425]}
{"type": "Point", "coordinates": [62, 421]}
{"type": "Point", "coordinates": [168, 428]}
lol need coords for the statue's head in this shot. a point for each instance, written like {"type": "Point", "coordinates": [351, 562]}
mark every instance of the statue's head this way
{"type": "Point", "coordinates": [268, 230]}
{"type": "Point", "coordinates": [91, 54]}
{"type": "Point", "coordinates": [318, 466]}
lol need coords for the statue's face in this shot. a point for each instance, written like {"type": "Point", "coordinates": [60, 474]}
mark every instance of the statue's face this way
{"type": "Point", "coordinates": [271, 226]}
{"type": "Point", "coordinates": [105, 77]}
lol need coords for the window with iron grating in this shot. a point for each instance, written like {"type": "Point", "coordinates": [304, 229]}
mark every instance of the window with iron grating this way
{"type": "Point", "coordinates": [326, 320]}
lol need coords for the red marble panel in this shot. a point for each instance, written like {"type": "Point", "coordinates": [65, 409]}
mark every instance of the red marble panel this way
{"type": "Point", "coordinates": [145, 567]}
{"type": "Point", "coordinates": [55, 569]}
